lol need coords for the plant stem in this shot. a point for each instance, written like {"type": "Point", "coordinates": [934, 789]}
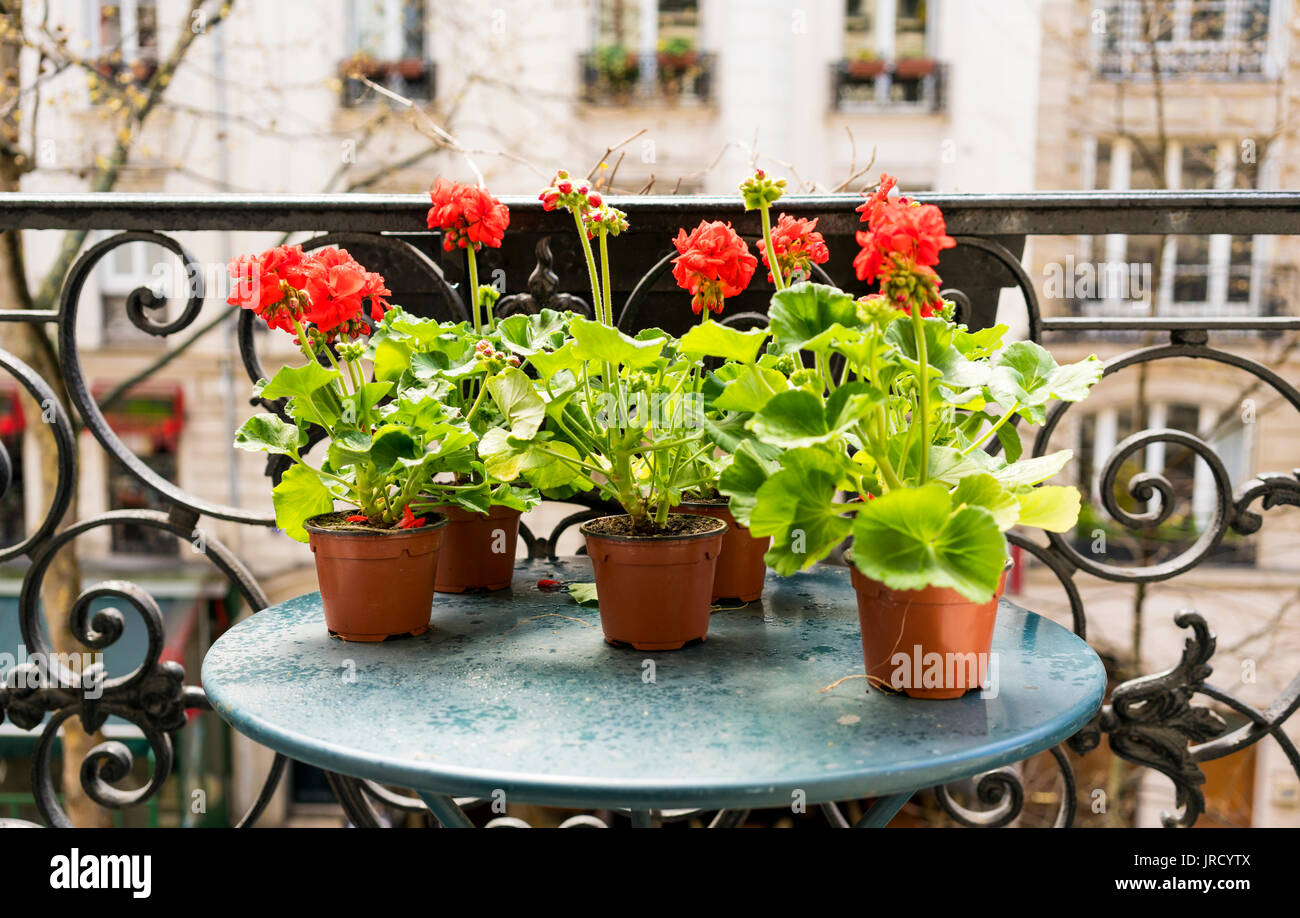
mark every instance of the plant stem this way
{"type": "Point", "coordinates": [976, 444]}
{"type": "Point", "coordinates": [473, 289]}
{"type": "Point", "coordinates": [923, 381]}
{"type": "Point", "coordinates": [778, 280]}
{"type": "Point", "coordinates": [591, 270]}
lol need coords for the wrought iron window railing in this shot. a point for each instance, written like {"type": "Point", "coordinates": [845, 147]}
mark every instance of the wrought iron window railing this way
{"type": "Point", "coordinates": [1166, 721]}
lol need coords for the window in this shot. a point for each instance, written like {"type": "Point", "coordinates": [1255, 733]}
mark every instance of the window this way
{"type": "Point", "coordinates": [1186, 37]}
{"type": "Point", "coordinates": [646, 48]}
{"type": "Point", "coordinates": [149, 424]}
{"type": "Point", "coordinates": [1200, 275]}
{"type": "Point", "coordinates": [12, 506]}
{"type": "Point", "coordinates": [387, 40]}
{"type": "Point", "coordinates": [886, 57]}
{"type": "Point", "coordinates": [126, 39]}
{"type": "Point", "coordinates": [127, 268]}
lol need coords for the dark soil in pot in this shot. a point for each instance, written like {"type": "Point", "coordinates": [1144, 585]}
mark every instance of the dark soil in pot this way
{"type": "Point", "coordinates": [655, 590]}
{"type": "Point", "coordinates": [375, 583]}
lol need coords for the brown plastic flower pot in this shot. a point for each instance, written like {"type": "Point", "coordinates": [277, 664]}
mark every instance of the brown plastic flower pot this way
{"type": "Point", "coordinates": [654, 591]}
{"type": "Point", "coordinates": [376, 584]}
{"type": "Point", "coordinates": [478, 551]}
{"type": "Point", "coordinates": [741, 568]}
{"type": "Point", "coordinates": [905, 633]}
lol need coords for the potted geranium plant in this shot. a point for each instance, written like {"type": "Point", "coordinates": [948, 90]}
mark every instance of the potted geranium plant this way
{"type": "Point", "coordinates": [892, 403]}
{"type": "Point", "coordinates": [745, 380]}
{"type": "Point", "coordinates": [466, 368]}
{"type": "Point", "coordinates": [375, 563]}
{"type": "Point", "coordinates": [624, 417]}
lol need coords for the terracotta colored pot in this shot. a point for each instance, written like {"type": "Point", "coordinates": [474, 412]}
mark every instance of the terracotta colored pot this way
{"type": "Point", "coordinates": [741, 568]}
{"type": "Point", "coordinates": [654, 593]}
{"type": "Point", "coordinates": [909, 68]}
{"type": "Point", "coordinates": [903, 629]}
{"type": "Point", "coordinates": [376, 584]}
{"type": "Point", "coordinates": [478, 552]}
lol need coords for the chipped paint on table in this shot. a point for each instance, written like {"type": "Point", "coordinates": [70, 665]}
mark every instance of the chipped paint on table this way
{"type": "Point", "coordinates": [516, 691]}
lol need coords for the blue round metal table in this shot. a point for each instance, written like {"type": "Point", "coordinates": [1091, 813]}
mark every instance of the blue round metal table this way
{"type": "Point", "coordinates": [516, 692]}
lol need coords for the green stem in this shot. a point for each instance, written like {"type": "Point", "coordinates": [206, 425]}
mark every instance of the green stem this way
{"type": "Point", "coordinates": [473, 409]}
{"type": "Point", "coordinates": [923, 381]}
{"type": "Point", "coordinates": [984, 438]}
{"type": "Point", "coordinates": [778, 280]}
{"type": "Point", "coordinates": [591, 270]}
{"type": "Point", "coordinates": [473, 289]}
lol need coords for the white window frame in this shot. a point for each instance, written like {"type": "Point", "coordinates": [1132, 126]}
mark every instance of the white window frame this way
{"type": "Point", "coordinates": [1220, 249]}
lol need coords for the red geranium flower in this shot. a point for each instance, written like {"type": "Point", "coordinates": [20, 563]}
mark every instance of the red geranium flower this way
{"type": "Point", "coordinates": [467, 215]}
{"type": "Point", "coordinates": [798, 247]}
{"type": "Point", "coordinates": [902, 242]}
{"type": "Point", "coordinates": [336, 285]}
{"type": "Point", "coordinates": [901, 235]}
{"type": "Point", "coordinates": [259, 282]}
{"type": "Point", "coordinates": [714, 264]}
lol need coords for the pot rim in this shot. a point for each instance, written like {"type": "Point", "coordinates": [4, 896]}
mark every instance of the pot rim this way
{"type": "Point", "coordinates": [654, 538]}
{"type": "Point", "coordinates": [309, 525]}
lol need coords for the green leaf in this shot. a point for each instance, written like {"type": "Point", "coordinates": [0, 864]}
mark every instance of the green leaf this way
{"type": "Point", "coordinates": [742, 478]}
{"type": "Point", "coordinates": [912, 538]}
{"type": "Point", "coordinates": [302, 385]}
{"type": "Point", "coordinates": [348, 446]}
{"type": "Point", "coordinates": [1051, 507]}
{"type": "Point", "coordinates": [1027, 373]}
{"type": "Point", "coordinates": [516, 398]}
{"type": "Point", "coordinates": [1028, 472]}
{"type": "Point", "coordinates": [797, 507]}
{"type": "Point", "coordinates": [266, 433]}
{"type": "Point", "coordinates": [802, 312]}
{"type": "Point", "coordinates": [584, 594]}
{"type": "Point", "coordinates": [752, 388]}
{"type": "Point", "coordinates": [549, 363]}
{"type": "Point", "coordinates": [941, 356]}
{"type": "Point", "coordinates": [525, 335]}
{"type": "Point", "coordinates": [506, 458]}
{"type": "Point", "coordinates": [597, 341]}
{"type": "Point", "coordinates": [391, 358]}
{"type": "Point", "coordinates": [391, 443]}
{"type": "Point", "coordinates": [792, 419]}
{"type": "Point", "coordinates": [983, 490]}
{"type": "Point", "coordinates": [713, 339]}
{"type": "Point", "coordinates": [299, 496]}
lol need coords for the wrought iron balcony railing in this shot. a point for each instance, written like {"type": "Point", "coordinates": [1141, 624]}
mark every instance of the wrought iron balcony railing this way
{"type": "Point", "coordinates": [1162, 721]}
{"type": "Point", "coordinates": [915, 85]}
{"type": "Point", "coordinates": [617, 76]}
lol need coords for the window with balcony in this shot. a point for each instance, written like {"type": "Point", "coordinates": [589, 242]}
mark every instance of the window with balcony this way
{"type": "Point", "coordinates": [646, 50]}
{"type": "Point", "coordinates": [886, 60]}
{"type": "Point", "coordinates": [125, 43]}
{"type": "Point", "coordinates": [388, 47]}
{"type": "Point", "coordinates": [1209, 275]}
{"type": "Point", "coordinates": [1206, 38]}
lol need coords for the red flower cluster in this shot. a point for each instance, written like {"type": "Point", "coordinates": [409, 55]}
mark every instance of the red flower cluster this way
{"type": "Point", "coordinates": [565, 193]}
{"type": "Point", "coordinates": [900, 247]}
{"type": "Point", "coordinates": [798, 247]}
{"type": "Point", "coordinates": [467, 215]}
{"type": "Point", "coordinates": [326, 288]}
{"type": "Point", "coordinates": [714, 264]}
